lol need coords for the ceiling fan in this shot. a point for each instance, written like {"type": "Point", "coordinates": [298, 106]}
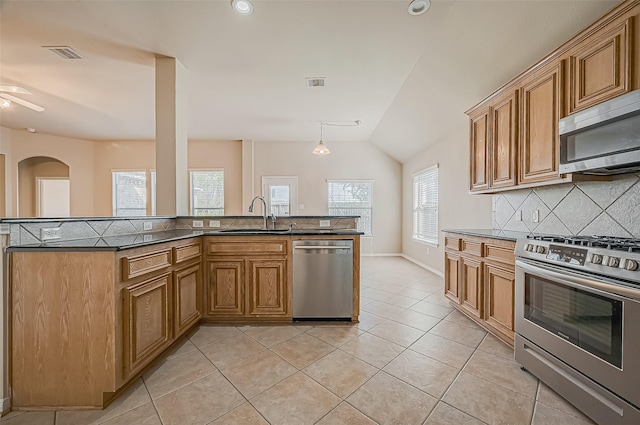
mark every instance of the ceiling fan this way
{"type": "Point", "coordinates": [8, 98]}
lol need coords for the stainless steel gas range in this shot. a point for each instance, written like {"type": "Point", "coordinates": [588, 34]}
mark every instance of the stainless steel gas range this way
{"type": "Point", "coordinates": [577, 321]}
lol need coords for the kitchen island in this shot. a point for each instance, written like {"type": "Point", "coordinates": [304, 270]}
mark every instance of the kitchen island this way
{"type": "Point", "coordinates": [88, 316]}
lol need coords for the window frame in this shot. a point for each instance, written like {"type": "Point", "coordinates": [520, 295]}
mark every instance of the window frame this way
{"type": "Point", "coordinates": [114, 207]}
{"type": "Point", "coordinates": [192, 209]}
{"type": "Point", "coordinates": [433, 239]}
{"type": "Point", "coordinates": [367, 181]}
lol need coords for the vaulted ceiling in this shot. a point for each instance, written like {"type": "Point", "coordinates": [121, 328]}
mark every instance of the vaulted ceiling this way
{"type": "Point", "coordinates": [407, 78]}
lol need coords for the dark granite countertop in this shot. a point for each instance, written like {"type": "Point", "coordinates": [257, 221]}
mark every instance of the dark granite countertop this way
{"type": "Point", "coordinates": [505, 235]}
{"type": "Point", "coordinates": [122, 242]}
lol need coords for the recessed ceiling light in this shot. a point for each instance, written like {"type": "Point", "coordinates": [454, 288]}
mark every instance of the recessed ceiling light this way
{"type": "Point", "coordinates": [418, 7]}
{"type": "Point", "coordinates": [4, 103]}
{"type": "Point", "coordinates": [315, 81]}
{"type": "Point", "coordinates": [243, 7]}
{"type": "Point", "coordinates": [30, 130]}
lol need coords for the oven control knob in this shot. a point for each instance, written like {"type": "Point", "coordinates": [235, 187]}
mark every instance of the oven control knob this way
{"type": "Point", "coordinates": [613, 262]}
{"type": "Point", "coordinates": [631, 265]}
{"type": "Point", "coordinates": [540, 249]}
{"type": "Point", "coordinates": [596, 259]}
{"type": "Point", "coordinates": [530, 247]}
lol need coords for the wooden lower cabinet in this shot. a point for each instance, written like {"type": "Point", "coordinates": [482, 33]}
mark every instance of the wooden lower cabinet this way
{"type": "Point", "coordinates": [268, 294]}
{"type": "Point", "coordinates": [480, 282]}
{"type": "Point", "coordinates": [146, 318]}
{"type": "Point", "coordinates": [471, 286]}
{"type": "Point", "coordinates": [499, 297]}
{"type": "Point", "coordinates": [187, 298]}
{"type": "Point", "coordinates": [451, 279]}
{"type": "Point", "coordinates": [248, 278]}
{"type": "Point", "coordinates": [225, 287]}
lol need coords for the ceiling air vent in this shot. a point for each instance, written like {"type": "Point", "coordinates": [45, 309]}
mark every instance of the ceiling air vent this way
{"type": "Point", "coordinates": [315, 82]}
{"type": "Point", "coordinates": [65, 52]}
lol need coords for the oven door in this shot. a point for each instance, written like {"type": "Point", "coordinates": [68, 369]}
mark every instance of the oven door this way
{"type": "Point", "coordinates": [590, 323]}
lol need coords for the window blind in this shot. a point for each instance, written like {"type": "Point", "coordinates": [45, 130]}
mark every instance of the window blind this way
{"type": "Point", "coordinates": [352, 197]}
{"type": "Point", "coordinates": [425, 205]}
{"type": "Point", "coordinates": [207, 192]}
{"type": "Point", "coordinates": [129, 193]}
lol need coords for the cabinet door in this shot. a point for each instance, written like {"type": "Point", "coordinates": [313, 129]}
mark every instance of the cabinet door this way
{"type": "Point", "coordinates": [504, 137]}
{"type": "Point", "coordinates": [187, 296]}
{"type": "Point", "coordinates": [451, 276]}
{"type": "Point", "coordinates": [498, 295]}
{"type": "Point", "coordinates": [601, 67]}
{"type": "Point", "coordinates": [538, 143]}
{"type": "Point", "coordinates": [471, 286]}
{"type": "Point", "coordinates": [146, 321]}
{"type": "Point", "coordinates": [479, 133]}
{"type": "Point", "coordinates": [225, 287]}
{"type": "Point", "coordinates": [268, 293]}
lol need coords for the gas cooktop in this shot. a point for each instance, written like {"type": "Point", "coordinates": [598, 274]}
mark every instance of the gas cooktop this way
{"type": "Point", "coordinates": [609, 256]}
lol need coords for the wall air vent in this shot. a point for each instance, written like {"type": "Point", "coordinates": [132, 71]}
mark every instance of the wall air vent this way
{"type": "Point", "coordinates": [315, 81]}
{"type": "Point", "coordinates": [65, 52]}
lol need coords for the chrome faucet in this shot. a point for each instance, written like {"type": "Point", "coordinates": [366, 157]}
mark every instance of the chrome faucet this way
{"type": "Point", "coordinates": [264, 210]}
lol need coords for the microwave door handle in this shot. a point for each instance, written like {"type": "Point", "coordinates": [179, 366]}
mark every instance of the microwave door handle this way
{"type": "Point", "coordinates": [574, 280]}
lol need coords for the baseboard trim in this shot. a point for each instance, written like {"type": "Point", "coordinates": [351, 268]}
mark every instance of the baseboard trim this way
{"type": "Point", "coordinates": [390, 254]}
{"type": "Point", "coordinates": [423, 265]}
{"type": "Point", "coordinates": [5, 406]}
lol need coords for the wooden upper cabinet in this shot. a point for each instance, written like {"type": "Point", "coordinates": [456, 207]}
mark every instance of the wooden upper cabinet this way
{"type": "Point", "coordinates": [540, 110]}
{"type": "Point", "coordinates": [503, 142]}
{"type": "Point", "coordinates": [601, 66]}
{"type": "Point", "coordinates": [478, 150]}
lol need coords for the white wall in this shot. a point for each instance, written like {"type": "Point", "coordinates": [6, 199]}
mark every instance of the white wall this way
{"type": "Point", "coordinates": [457, 209]}
{"type": "Point", "coordinates": [346, 161]}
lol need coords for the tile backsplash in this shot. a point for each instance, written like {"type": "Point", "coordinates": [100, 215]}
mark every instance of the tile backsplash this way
{"type": "Point", "coordinates": [28, 231]}
{"type": "Point", "coordinates": [589, 208]}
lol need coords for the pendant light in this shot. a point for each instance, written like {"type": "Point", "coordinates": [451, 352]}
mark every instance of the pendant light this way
{"type": "Point", "coordinates": [321, 149]}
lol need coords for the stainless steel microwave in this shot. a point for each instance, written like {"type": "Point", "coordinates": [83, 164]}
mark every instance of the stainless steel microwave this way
{"type": "Point", "coordinates": [603, 139]}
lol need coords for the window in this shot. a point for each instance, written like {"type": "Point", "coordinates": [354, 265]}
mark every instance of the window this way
{"type": "Point", "coordinates": [425, 205]}
{"type": "Point", "coordinates": [129, 193]}
{"type": "Point", "coordinates": [207, 192]}
{"type": "Point", "coordinates": [280, 194]}
{"type": "Point", "coordinates": [352, 197]}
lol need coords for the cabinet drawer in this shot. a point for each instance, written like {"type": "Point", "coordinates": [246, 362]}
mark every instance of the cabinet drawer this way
{"type": "Point", "coordinates": [500, 254]}
{"type": "Point", "coordinates": [472, 247]}
{"type": "Point", "coordinates": [186, 252]}
{"type": "Point", "coordinates": [452, 243]}
{"type": "Point", "coordinates": [247, 246]}
{"type": "Point", "coordinates": [145, 263]}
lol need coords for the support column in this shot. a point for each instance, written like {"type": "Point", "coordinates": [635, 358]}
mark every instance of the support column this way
{"type": "Point", "coordinates": [171, 138]}
{"type": "Point", "coordinates": [248, 189]}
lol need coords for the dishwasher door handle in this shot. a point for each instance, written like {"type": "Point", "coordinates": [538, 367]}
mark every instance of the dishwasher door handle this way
{"type": "Point", "coordinates": [321, 247]}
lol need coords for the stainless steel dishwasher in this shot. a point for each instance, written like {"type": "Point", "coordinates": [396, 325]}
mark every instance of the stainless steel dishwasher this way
{"type": "Point", "coordinates": [322, 279]}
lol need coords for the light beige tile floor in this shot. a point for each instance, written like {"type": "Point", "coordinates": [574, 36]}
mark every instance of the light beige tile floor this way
{"type": "Point", "coordinates": [412, 359]}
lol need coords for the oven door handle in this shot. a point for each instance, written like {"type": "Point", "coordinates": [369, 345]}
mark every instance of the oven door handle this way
{"type": "Point", "coordinates": [575, 280]}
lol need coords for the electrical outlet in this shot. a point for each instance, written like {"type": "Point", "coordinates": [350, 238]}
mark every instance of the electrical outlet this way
{"type": "Point", "coordinates": [147, 225]}
{"type": "Point", "coordinates": [147, 238]}
{"type": "Point", "coordinates": [535, 216]}
{"type": "Point", "coordinates": [519, 215]}
{"type": "Point", "coordinates": [325, 223]}
{"type": "Point", "coordinates": [50, 233]}
{"type": "Point", "coordinates": [198, 223]}
{"type": "Point", "coordinates": [214, 223]}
